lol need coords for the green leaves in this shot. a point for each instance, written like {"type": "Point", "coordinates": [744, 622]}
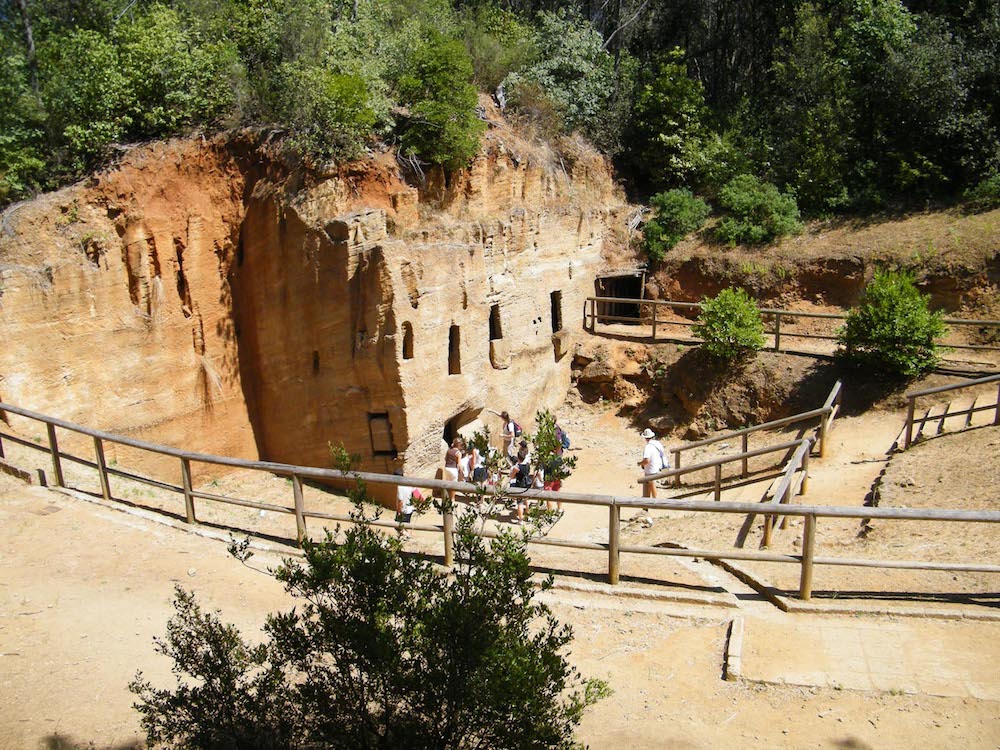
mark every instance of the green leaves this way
{"type": "Point", "coordinates": [677, 213]}
{"type": "Point", "coordinates": [893, 330]}
{"type": "Point", "coordinates": [382, 649]}
{"type": "Point", "coordinates": [730, 325]}
{"type": "Point", "coordinates": [758, 212]}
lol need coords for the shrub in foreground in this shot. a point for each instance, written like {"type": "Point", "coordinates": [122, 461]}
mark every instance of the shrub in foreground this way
{"type": "Point", "coordinates": [677, 213]}
{"type": "Point", "coordinates": [382, 650]}
{"type": "Point", "coordinates": [985, 196]}
{"type": "Point", "coordinates": [730, 325]}
{"type": "Point", "coordinates": [893, 330]}
{"type": "Point", "coordinates": [758, 212]}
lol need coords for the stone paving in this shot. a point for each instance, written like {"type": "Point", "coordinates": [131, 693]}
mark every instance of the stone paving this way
{"type": "Point", "coordinates": [954, 659]}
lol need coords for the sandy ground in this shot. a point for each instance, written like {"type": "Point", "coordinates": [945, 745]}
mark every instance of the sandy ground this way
{"type": "Point", "coordinates": [84, 590]}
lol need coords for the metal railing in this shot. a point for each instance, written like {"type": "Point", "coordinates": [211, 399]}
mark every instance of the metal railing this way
{"type": "Point", "coordinates": [591, 317]}
{"type": "Point", "coordinates": [615, 504]}
{"type": "Point", "coordinates": [911, 421]}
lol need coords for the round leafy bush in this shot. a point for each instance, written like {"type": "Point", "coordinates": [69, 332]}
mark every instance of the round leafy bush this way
{"type": "Point", "coordinates": [731, 325]}
{"type": "Point", "coordinates": [985, 196]}
{"type": "Point", "coordinates": [893, 330]}
{"type": "Point", "coordinates": [758, 212]}
{"type": "Point", "coordinates": [677, 213]}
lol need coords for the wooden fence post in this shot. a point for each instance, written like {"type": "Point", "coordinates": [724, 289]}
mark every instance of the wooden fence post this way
{"type": "Point", "coordinates": [768, 524]}
{"type": "Point", "coordinates": [614, 557]}
{"type": "Point", "coordinates": [188, 497]}
{"type": "Point", "coordinates": [654, 320]}
{"type": "Point", "coordinates": [908, 430]}
{"type": "Point", "coordinates": [54, 450]}
{"type": "Point", "coordinates": [102, 468]}
{"type": "Point", "coordinates": [449, 534]}
{"type": "Point", "coordinates": [824, 428]}
{"type": "Point", "coordinates": [718, 482]}
{"type": "Point", "coordinates": [300, 519]}
{"type": "Point", "coordinates": [677, 465]}
{"type": "Point", "coordinates": [805, 473]}
{"type": "Point", "coordinates": [746, 461]}
{"type": "Point", "coordinates": [808, 550]}
{"type": "Point", "coordinates": [777, 331]}
{"type": "Point", "coordinates": [996, 419]}
{"type": "Point", "coordinates": [1, 446]}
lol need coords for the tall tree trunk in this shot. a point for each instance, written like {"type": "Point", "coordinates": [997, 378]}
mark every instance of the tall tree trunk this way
{"type": "Point", "coordinates": [30, 40]}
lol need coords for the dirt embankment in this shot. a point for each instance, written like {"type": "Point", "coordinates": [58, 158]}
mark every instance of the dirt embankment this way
{"type": "Point", "coordinates": [953, 255]}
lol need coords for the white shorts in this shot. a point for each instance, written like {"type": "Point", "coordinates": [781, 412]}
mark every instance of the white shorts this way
{"type": "Point", "coordinates": [450, 474]}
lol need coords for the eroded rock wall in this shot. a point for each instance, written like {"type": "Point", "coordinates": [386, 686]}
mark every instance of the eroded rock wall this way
{"type": "Point", "coordinates": [201, 296]}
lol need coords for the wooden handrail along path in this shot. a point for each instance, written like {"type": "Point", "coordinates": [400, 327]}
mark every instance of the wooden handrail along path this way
{"type": "Point", "coordinates": [806, 560]}
{"type": "Point", "coordinates": [908, 437]}
{"type": "Point", "coordinates": [591, 317]}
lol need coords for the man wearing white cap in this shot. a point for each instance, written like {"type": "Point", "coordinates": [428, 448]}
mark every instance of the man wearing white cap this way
{"type": "Point", "coordinates": [653, 461]}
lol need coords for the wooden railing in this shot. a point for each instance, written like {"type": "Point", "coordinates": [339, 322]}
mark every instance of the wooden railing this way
{"type": "Point", "coordinates": [615, 504]}
{"type": "Point", "coordinates": [826, 413]}
{"type": "Point", "coordinates": [911, 421]}
{"type": "Point", "coordinates": [718, 463]}
{"type": "Point", "coordinates": [591, 317]}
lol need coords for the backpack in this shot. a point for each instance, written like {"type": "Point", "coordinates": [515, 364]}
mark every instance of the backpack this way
{"type": "Point", "coordinates": [517, 429]}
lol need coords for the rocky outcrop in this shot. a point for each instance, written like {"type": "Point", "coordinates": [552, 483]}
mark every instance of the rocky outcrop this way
{"type": "Point", "coordinates": [204, 295]}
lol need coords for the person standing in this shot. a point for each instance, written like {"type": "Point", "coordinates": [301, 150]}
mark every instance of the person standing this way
{"type": "Point", "coordinates": [405, 497]}
{"type": "Point", "coordinates": [653, 461]}
{"type": "Point", "coordinates": [452, 462]}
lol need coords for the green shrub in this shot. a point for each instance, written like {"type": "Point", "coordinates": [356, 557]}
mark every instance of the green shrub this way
{"type": "Point", "coordinates": [498, 41]}
{"type": "Point", "coordinates": [676, 213]}
{"type": "Point", "coordinates": [730, 325]}
{"type": "Point", "coordinates": [329, 114]}
{"type": "Point", "coordinates": [442, 126]}
{"type": "Point", "coordinates": [86, 96]}
{"type": "Point", "coordinates": [758, 212]}
{"type": "Point", "coordinates": [382, 650]}
{"type": "Point", "coordinates": [893, 330]}
{"type": "Point", "coordinates": [985, 196]}
{"type": "Point", "coordinates": [175, 81]}
{"type": "Point", "coordinates": [548, 448]}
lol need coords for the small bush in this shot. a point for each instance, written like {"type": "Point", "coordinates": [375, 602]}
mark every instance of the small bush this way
{"type": "Point", "coordinates": [330, 114]}
{"type": "Point", "coordinates": [985, 196]}
{"type": "Point", "coordinates": [677, 213]}
{"type": "Point", "coordinates": [730, 325]}
{"type": "Point", "coordinates": [759, 212]}
{"type": "Point", "coordinates": [892, 331]}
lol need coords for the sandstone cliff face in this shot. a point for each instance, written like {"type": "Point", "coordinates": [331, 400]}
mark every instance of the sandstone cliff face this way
{"type": "Point", "coordinates": [201, 296]}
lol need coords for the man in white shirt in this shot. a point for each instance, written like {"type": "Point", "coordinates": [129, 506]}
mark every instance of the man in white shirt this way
{"type": "Point", "coordinates": [653, 461]}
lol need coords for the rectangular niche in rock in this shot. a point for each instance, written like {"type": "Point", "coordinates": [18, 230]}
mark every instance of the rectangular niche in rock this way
{"type": "Point", "coordinates": [380, 431]}
{"type": "Point", "coordinates": [555, 300]}
{"type": "Point", "coordinates": [454, 351]}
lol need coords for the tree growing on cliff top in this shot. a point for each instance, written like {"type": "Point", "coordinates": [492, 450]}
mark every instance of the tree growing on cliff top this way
{"type": "Point", "coordinates": [382, 650]}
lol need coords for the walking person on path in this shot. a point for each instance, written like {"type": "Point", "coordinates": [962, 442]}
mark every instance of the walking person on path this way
{"type": "Point", "coordinates": [653, 461]}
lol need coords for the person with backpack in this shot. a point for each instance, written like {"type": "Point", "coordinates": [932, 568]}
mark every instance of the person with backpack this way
{"type": "Point", "coordinates": [509, 433]}
{"type": "Point", "coordinates": [654, 460]}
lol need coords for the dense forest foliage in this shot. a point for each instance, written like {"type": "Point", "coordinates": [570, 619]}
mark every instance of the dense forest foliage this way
{"type": "Point", "coordinates": [840, 105]}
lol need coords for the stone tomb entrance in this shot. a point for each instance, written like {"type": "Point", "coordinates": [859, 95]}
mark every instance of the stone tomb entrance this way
{"type": "Point", "coordinates": [464, 423]}
{"type": "Point", "coordinates": [624, 286]}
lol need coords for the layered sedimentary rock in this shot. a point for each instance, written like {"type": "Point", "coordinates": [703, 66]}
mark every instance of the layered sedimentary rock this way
{"type": "Point", "coordinates": [202, 296]}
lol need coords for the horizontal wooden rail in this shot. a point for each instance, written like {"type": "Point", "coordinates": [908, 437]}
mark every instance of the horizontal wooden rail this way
{"type": "Point", "coordinates": [593, 316]}
{"type": "Point", "coordinates": [613, 548]}
{"type": "Point", "coordinates": [912, 420]}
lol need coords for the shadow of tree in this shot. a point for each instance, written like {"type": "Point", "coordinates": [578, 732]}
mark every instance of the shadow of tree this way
{"type": "Point", "coordinates": [59, 741]}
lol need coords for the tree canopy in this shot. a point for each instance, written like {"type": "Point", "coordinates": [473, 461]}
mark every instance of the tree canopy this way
{"type": "Point", "coordinates": [847, 105]}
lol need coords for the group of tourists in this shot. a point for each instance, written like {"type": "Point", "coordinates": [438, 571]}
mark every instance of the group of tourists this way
{"type": "Point", "coordinates": [464, 462]}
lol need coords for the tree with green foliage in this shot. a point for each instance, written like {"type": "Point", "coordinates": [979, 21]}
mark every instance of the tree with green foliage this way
{"type": "Point", "coordinates": [548, 448]}
{"type": "Point", "coordinates": [441, 126]}
{"type": "Point", "coordinates": [383, 649]}
{"type": "Point", "coordinates": [673, 144]}
{"type": "Point", "coordinates": [757, 212]}
{"type": "Point", "coordinates": [498, 40]}
{"type": "Point", "coordinates": [578, 75]}
{"type": "Point", "coordinates": [730, 325]}
{"type": "Point", "coordinates": [676, 213]}
{"type": "Point", "coordinates": [893, 331]}
{"type": "Point", "coordinates": [985, 196]}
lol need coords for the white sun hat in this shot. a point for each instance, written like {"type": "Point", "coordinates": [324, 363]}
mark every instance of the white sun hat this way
{"type": "Point", "coordinates": [648, 434]}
